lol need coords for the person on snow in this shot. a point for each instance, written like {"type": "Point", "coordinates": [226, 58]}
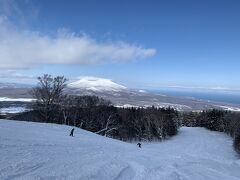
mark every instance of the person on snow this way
{"type": "Point", "coordinates": [71, 133]}
{"type": "Point", "coordinates": [139, 145]}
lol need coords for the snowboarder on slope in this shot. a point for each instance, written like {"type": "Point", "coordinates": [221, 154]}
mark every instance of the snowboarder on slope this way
{"type": "Point", "coordinates": [71, 133]}
{"type": "Point", "coordinates": [139, 145]}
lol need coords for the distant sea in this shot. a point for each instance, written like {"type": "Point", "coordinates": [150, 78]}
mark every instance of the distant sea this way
{"type": "Point", "coordinates": [211, 95]}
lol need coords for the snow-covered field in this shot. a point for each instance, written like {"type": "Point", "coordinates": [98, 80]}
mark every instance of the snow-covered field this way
{"type": "Point", "coordinates": [16, 99]}
{"type": "Point", "coordinates": [13, 110]}
{"type": "Point", "coordinates": [229, 108]}
{"type": "Point", "coordinates": [46, 151]}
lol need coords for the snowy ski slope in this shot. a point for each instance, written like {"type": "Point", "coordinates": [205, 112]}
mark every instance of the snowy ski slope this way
{"type": "Point", "coordinates": [46, 151]}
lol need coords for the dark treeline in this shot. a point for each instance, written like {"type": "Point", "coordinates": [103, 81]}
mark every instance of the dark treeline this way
{"type": "Point", "coordinates": [216, 120]}
{"type": "Point", "coordinates": [148, 124]}
{"type": "Point", "coordinates": [98, 115]}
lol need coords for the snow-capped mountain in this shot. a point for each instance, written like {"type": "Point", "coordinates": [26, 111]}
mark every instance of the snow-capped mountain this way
{"type": "Point", "coordinates": [122, 96]}
{"type": "Point", "coordinates": [96, 84]}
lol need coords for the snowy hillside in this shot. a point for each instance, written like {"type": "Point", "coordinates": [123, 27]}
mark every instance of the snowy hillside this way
{"type": "Point", "coordinates": [96, 84]}
{"type": "Point", "coordinates": [45, 151]}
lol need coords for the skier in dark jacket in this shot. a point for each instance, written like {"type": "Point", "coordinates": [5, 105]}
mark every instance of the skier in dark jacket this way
{"type": "Point", "coordinates": [71, 133]}
{"type": "Point", "coordinates": [139, 145]}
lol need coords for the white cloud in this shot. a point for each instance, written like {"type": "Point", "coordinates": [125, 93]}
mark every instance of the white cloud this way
{"type": "Point", "coordinates": [26, 49]}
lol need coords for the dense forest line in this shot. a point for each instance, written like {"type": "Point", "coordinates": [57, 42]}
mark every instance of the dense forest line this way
{"type": "Point", "coordinates": [96, 115]}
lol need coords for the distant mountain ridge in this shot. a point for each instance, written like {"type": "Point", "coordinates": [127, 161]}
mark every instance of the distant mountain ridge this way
{"type": "Point", "coordinates": [120, 95]}
{"type": "Point", "coordinates": [14, 85]}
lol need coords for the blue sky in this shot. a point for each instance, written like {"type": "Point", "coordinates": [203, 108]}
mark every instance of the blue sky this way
{"type": "Point", "coordinates": [141, 44]}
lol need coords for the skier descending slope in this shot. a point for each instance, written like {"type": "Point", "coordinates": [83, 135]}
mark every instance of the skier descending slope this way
{"type": "Point", "coordinates": [71, 133]}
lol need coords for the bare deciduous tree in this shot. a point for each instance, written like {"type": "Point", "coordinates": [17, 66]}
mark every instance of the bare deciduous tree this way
{"type": "Point", "coordinates": [107, 129]}
{"type": "Point", "coordinates": [48, 95]}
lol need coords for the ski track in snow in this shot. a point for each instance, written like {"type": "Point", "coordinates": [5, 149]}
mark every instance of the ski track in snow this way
{"type": "Point", "coordinates": [46, 151]}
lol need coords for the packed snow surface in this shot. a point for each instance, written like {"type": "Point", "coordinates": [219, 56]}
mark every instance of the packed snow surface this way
{"type": "Point", "coordinates": [46, 151]}
{"type": "Point", "coordinates": [96, 84]}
